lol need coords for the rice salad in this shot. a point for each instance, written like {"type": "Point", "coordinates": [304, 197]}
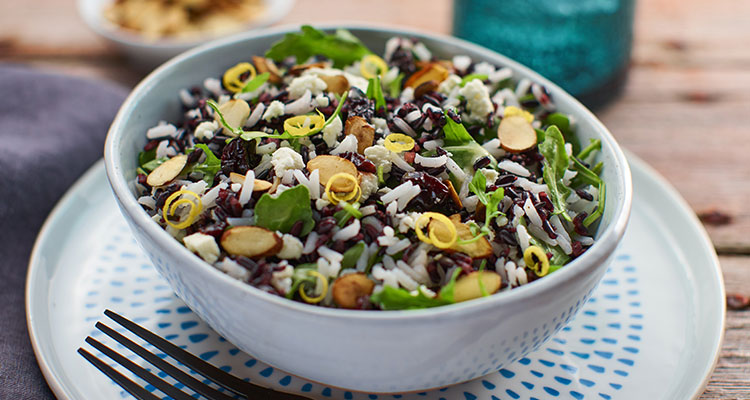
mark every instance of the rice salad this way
{"type": "Point", "coordinates": [333, 176]}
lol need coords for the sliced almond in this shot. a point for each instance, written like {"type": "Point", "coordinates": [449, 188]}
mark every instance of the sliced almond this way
{"type": "Point", "coordinates": [251, 241]}
{"type": "Point", "coordinates": [335, 83]}
{"type": "Point", "coordinates": [236, 112]}
{"type": "Point", "coordinates": [516, 134]}
{"type": "Point", "coordinates": [167, 171]}
{"type": "Point", "coordinates": [328, 166]}
{"type": "Point", "coordinates": [424, 88]}
{"type": "Point", "coordinates": [348, 288]}
{"type": "Point", "coordinates": [298, 69]}
{"type": "Point", "coordinates": [274, 185]}
{"type": "Point", "coordinates": [362, 130]}
{"type": "Point", "coordinates": [259, 185]}
{"type": "Point", "coordinates": [467, 287]}
{"type": "Point", "coordinates": [454, 195]}
{"type": "Point", "coordinates": [431, 72]}
{"type": "Point", "coordinates": [263, 65]}
{"type": "Point", "coordinates": [477, 249]}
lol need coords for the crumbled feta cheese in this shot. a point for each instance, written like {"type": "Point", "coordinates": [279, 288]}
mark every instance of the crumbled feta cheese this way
{"type": "Point", "coordinates": [332, 131]}
{"type": "Point", "coordinates": [205, 130]}
{"type": "Point", "coordinates": [461, 63]}
{"type": "Point", "coordinates": [349, 143]}
{"type": "Point", "coordinates": [490, 175]}
{"type": "Point", "coordinates": [322, 100]}
{"type": "Point", "coordinates": [285, 159]}
{"type": "Point", "coordinates": [282, 280]}
{"type": "Point", "coordinates": [477, 100]}
{"type": "Point", "coordinates": [310, 82]}
{"type": "Point", "coordinates": [450, 83]}
{"type": "Point", "coordinates": [233, 269]}
{"type": "Point", "coordinates": [275, 109]}
{"type": "Point", "coordinates": [390, 76]}
{"type": "Point", "coordinates": [321, 203]}
{"type": "Point", "coordinates": [380, 156]}
{"type": "Point", "coordinates": [407, 221]}
{"type": "Point", "coordinates": [368, 184]}
{"type": "Point", "coordinates": [484, 68]}
{"type": "Point", "coordinates": [204, 245]}
{"type": "Point", "coordinates": [407, 95]}
{"type": "Point", "coordinates": [380, 124]}
{"type": "Point", "coordinates": [422, 53]}
{"type": "Point", "coordinates": [236, 187]}
{"type": "Point", "coordinates": [291, 248]}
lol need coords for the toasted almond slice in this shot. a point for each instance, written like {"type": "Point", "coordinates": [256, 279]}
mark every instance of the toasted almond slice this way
{"type": "Point", "coordinates": [259, 185]}
{"type": "Point", "coordinates": [298, 69]}
{"type": "Point", "coordinates": [348, 288]}
{"type": "Point", "coordinates": [263, 65]}
{"type": "Point", "coordinates": [167, 171]}
{"type": "Point", "coordinates": [430, 72]}
{"type": "Point", "coordinates": [516, 134]}
{"type": "Point", "coordinates": [274, 185]}
{"type": "Point", "coordinates": [236, 112]}
{"type": "Point", "coordinates": [335, 83]}
{"type": "Point", "coordinates": [424, 88]}
{"type": "Point", "coordinates": [363, 131]}
{"type": "Point", "coordinates": [480, 248]}
{"type": "Point", "coordinates": [454, 195]}
{"type": "Point", "coordinates": [467, 287]}
{"type": "Point", "coordinates": [251, 241]}
{"type": "Point", "coordinates": [328, 166]}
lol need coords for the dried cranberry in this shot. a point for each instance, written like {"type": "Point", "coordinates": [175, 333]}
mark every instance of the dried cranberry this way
{"type": "Point", "coordinates": [235, 157]}
{"type": "Point", "coordinates": [151, 145]}
{"type": "Point", "coordinates": [578, 224]}
{"type": "Point", "coordinates": [326, 225]}
{"type": "Point", "coordinates": [359, 161]}
{"type": "Point", "coordinates": [577, 248]}
{"type": "Point", "coordinates": [434, 193]}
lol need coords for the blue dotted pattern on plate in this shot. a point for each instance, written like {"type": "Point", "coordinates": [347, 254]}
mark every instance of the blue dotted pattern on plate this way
{"type": "Point", "coordinates": [590, 358]}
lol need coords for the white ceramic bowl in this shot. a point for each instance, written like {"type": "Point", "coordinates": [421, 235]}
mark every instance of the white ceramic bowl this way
{"type": "Point", "coordinates": [148, 53]}
{"type": "Point", "coordinates": [374, 351]}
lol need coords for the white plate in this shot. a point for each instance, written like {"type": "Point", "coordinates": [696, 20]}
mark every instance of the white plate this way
{"type": "Point", "coordinates": [652, 329]}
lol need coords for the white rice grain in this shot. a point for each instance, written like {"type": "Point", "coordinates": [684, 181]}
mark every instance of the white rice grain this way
{"type": "Point", "coordinates": [367, 210]}
{"type": "Point", "coordinates": [388, 263]}
{"type": "Point", "coordinates": [510, 272]}
{"type": "Point", "coordinates": [455, 169]}
{"type": "Point", "coordinates": [432, 145]}
{"type": "Point", "coordinates": [404, 200]}
{"type": "Point", "coordinates": [530, 210]}
{"type": "Point", "coordinates": [247, 188]}
{"type": "Point", "coordinates": [397, 192]}
{"type": "Point", "coordinates": [147, 201]}
{"type": "Point", "coordinates": [405, 280]}
{"type": "Point", "coordinates": [514, 168]}
{"type": "Point", "coordinates": [493, 147]}
{"type": "Point", "coordinates": [348, 232]}
{"type": "Point", "coordinates": [300, 106]}
{"type": "Point", "coordinates": [397, 247]}
{"type": "Point", "coordinates": [267, 148]}
{"type": "Point", "coordinates": [523, 237]}
{"type": "Point", "coordinates": [330, 255]}
{"type": "Point", "coordinates": [540, 234]}
{"type": "Point", "coordinates": [209, 199]}
{"type": "Point", "coordinates": [312, 239]}
{"type": "Point", "coordinates": [404, 126]}
{"type": "Point", "coordinates": [530, 186]}
{"type": "Point", "coordinates": [348, 144]}
{"type": "Point", "coordinates": [523, 87]}
{"type": "Point", "coordinates": [399, 162]}
{"type": "Point", "coordinates": [240, 221]}
{"type": "Point", "coordinates": [161, 131]}
{"type": "Point", "coordinates": [430, 162]}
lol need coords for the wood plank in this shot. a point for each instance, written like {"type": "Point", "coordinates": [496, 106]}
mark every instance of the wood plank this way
{"type": "Point", "coordinates": [730, 379]}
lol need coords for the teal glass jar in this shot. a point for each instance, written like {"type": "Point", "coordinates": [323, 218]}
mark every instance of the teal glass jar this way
{"type": "Point", "coordinates": [582, 45]}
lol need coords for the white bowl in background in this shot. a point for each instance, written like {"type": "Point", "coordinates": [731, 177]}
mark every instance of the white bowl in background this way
{"type": "Point", "coordinates": [373, 351]}
{"type": "Point", "coordinates": [148, 54]}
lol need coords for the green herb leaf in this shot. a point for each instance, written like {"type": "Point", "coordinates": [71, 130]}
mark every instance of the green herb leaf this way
{"type": "Point", "coordinates": [342, 47]}
{"type": "Point", "coordinates": [455, 133]}
{"type": "Point", "coordinates": [281, 213]}
{"type": "Point", "coordinates": [594, 145]}
{"type": "Point", "coordinates": [352, 255]}
{"type": "Point", "coordinates": [585, 176]}
{"type": "Point", "coordinates": [146, 156]}
{"type": "Point", "coordinates": [478, 186]}
{"type": "Point", "coordinates": [394, 88]}
{"type": "Point", "coordinates": [256, 82]}
{"type": "Point", "coordinates": [151, 165]}
{"type": "Point", "coordinates": [555, 164]}
{"type": "Point", "coordinates": [471, 77]}
{"type": "Point", "coordinates": [375, 92]}
{"type": "Point", "coordinates": [347, 212]}
{"type": "Point", "coordinates": [562, 122]}
{"type": "Point", "coordinates": [391, 298]}
{"type": "Point", "coordinates": [558, 256]}
{"type": "Point", "coordinates": [446, 293]}
{"type": "Point", "coordinates": [599, 208]}
{"type": "Point", "coordinates": [209, 167]}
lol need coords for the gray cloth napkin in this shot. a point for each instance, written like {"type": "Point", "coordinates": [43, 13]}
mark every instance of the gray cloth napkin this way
{"type": "Point", "coordinates": [52, 129]}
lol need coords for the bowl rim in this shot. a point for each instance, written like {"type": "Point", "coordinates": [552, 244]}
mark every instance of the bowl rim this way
{"type": "Point", "coordinates": [91, 13]}
{"type": "Point", "coordinates": [597, 253]}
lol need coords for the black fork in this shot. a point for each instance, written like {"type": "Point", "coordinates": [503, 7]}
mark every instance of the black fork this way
{"type": "Point", "coordinates": [230, 382]}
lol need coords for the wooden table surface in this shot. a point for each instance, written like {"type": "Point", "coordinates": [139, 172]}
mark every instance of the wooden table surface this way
{"type": "Point", "coordinates": [685, 108]}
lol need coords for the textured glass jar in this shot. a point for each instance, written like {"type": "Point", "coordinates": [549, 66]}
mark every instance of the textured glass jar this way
{"type": "Point", "coordinates": [582, 45]}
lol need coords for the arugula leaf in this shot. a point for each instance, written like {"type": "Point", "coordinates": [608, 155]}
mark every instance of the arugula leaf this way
{"type": "Point", "coordinates": [256, 82]}
{"type": "Point", "coordinates": [446, 293]}
{"type": "Point", "coordinates": [471, 77]}
{"type": "Point", "coordinates": [594, 145]}
{"type": "Point", "coordinates": [209, 167]}
{"type": "Point", "coordinates": [151, 165]}
{"type": "Point", "coordinates": [555, 164]}
{"type": "Point", "coordinates": [301, 276]}
{"type": "Point", "coordinates": [375, 92]}
{"type": "Point", "coordinates": [146, 156]}
{"type": "Point", "coordinates": [341, 47]}
{"type": "Point", "coordinates": [585, 176]}
{"type": "Point", "coordinates": [562, 123]}
{"type": "Point", "coordinates": [455, 133]}
{"type": "Point", "coordinates": [599, 208]}
{"type": "Point", "coordinates": [478, 186]}
{"type": "Point", "coordinates": [391, 298]}
{"type": "Point", "coordinates": [492, 204]}
{"type": "Point", "coordinates": [558, 256]}
{"type": "Point", "coordinates": [352, 255]}
{"type": "Point", "coordinates": [394, 88]}
{"type": "Point", "coordinates": [281, 213]}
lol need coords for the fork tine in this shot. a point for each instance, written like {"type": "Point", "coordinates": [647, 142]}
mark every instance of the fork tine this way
{"type": "Point", "coordinates": [130, 386]}
{"type": "Point", "coordinates": [168, 368]}
{"type": "Point", "coordinates": [220, 377]}
{"type": "Point", "coordinates": [139, 371]}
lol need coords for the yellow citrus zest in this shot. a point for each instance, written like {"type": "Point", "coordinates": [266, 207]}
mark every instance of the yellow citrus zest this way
{"type": "Point", "coordinates": [356, 192]}
{"type": "Point", "coordinates": [372, 66]}
{"type": "Point", "coordinates": [323, 282]}
{"type": "Point", "coordinates": [513, 110]}
{"type": "Point", "coordinates": [231, 78]}
{"type": "Point", "coordinates": [433, 238]}
{"type": "Point", "coordinates": [537, 260]}
{"type": "Point", "coordinates": [302, 125]}
{"type": "Point", "coordinates": [170, 206]}
{"type": "Point", "coordinates": [398, 142]}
